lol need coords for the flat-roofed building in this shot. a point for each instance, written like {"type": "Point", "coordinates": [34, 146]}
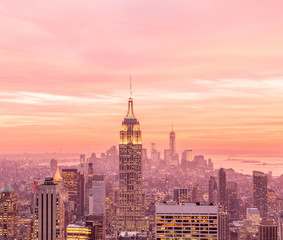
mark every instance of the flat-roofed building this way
{"type": "Point", "coordinates": [267, 230]}
{"type": "Point", "coordinates": [186, 221]}
{"type": "Point", "coordinates": [78, 231]}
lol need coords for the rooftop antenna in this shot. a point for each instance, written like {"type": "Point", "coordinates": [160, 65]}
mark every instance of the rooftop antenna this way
{"type": "Point", "coordinates": [131, 92]}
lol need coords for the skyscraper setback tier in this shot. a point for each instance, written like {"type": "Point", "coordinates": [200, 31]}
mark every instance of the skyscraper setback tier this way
{"type": "Point", "coordinates": [130, 213]}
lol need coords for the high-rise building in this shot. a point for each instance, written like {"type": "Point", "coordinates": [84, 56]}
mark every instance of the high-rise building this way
{"type": "Point", "coordinates": [172, 144]}
{"type": "Point", "coordinates": [57, 177]}
{"type": "Point", "coordinates": [187, 159]}
{"type": "Point", "coordinates": [97, 224]}
{"type": "Point", "coordinates": [71, 182]}
{"type": "Point", "coordinates": [172, 147]}
{"type": "Point", "coordinates": [81, 194]}
{"type": "Point", "coordinates": [187, 155]}
{"type": "Point", "coordinates": [53, 165]}
{"type": "Point", "coordinates": [186, 221]}
{"type": "Point", "coordinates": [79, 231]}
{"type": "Point", "coordinates": [195, 194]}
{"type": "Point", "coordinates": [9, 214]}
{"type": "Point", "coordinates": [82, 163]}
{"type": "Point", "coordinates": [48, 212]}
{"type": "Point", "coordinates": [260, 192]}
{"type": "Point", "coordinates": [167, 156]}
{"type": "Point", "coordinates": [212, 190]}
{"type": "Point", "coordinates": [232, 199]}
{"type": "Point", "coordinates": [253, 214]}
{"type": "Point", "coordinates": [74, 182]}
{"type": "Point", "coordinates": [199, 161]}
{"type": "Point", "coordinates": [130, 212]}
{"type": "Point", "coordinates": [154, 154]}
{"type": "Point", "coordinates": [223, 224]}
{"type": "Point", "coordinates": [267, 230]}
{"type": "Point", "coordinates": [222, 191]}
{"type": "Point", "coordinates": [181, 195]}
{"type": "Point", "coordinates": [96, 197]}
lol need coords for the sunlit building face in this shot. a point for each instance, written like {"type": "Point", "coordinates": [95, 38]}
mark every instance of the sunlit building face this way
{"type": "Point", "coordinates": [130, 210]}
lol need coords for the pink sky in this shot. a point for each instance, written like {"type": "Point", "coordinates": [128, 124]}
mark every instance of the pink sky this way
{"type": "Point", "coordinates": [213, 68]}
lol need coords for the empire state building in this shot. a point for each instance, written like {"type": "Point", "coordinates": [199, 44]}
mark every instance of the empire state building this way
{"type": "Point", "coordinates": [130, 212]}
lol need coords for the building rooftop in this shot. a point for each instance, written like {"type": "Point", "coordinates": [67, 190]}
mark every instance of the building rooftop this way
{"type": "Point", "coordinates": [186, 207]}
{"type": "Point", "coordinates": [8, 188]}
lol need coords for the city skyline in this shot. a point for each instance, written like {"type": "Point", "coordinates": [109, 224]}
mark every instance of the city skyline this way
{"type": "Point", "coordinates": [219, 82]}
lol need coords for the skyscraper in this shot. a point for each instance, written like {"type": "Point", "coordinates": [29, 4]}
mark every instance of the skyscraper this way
{"type": "Point", "coordinates": [172, 148]}
{"type": "Point", "coordinates": [9, 214]}
{"type": "Point", "coordinates": [172, 143]}
{"type": "Point", "coordinates": [130, 212]}
{"type": "Point", "coordinates": [260, 192]}
{"type": "Point", "coordinates": [74, 182]}
{"type": "Point", "coordinates": [181, 195]}
{"type": "Point", "coordinates": [53, 165]}
{"type": "Point", "coordinates": [48, 212]}
{"type": "Point", "coordinates": [222, 193]}
{"type": "Point", "coordinates": [71, 182]}
{"type": "Point", "coordinates": [97, 196]}
{"type": "Point", "coordinates": [223, 224]}
{"type": "Point", "coordinates": [212, 189]}
{"type": "Point", "coordinates": [267, 230]}
{"type": "Point", "coordinates": [232, 199]}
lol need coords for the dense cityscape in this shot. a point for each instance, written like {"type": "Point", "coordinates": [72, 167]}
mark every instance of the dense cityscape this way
{"type": "Point", "coordinates": [130, 192]}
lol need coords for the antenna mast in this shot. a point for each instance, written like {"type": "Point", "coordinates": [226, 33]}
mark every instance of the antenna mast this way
{"type": "Point", "coordinates": [131, 92]}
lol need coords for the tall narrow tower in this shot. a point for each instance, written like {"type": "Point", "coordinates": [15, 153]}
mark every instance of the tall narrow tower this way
{"type": "Point", "coordinates": [172, 145]}
{"type": "Point", "coordinates": [260, 192]}
{"type": "Point", "coordinates": [130, 213]}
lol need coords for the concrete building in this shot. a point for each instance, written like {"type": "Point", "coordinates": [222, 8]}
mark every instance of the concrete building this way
{"type": "Point", "coordinates": [223, 226]}
{"type": "Point", "coordinates": [186, 221]}
{"type": "Point", "coordinates": [222, 191]}
{"type": "Point", "coordinates": [260, 192]}
{"type": "Point", "coordinates": [96, 197]}
{"type": "Point", "coordinates": [267, 230]}
{"type": "Point", "coordinates": [9, 214]}
{"type": "Point", "coordinates": [212, 190]}
{"type": "Point", "coordinates": [181, 195]}
{"type": "Point", "coordinates": [48, 212]}
{"type": "Point", "coordinates": [78, 231]}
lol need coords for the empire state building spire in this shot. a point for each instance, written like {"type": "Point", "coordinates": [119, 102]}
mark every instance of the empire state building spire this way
{"type": "Point", "coordinates": [130, 113]}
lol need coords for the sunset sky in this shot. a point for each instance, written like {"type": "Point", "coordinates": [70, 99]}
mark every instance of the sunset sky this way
{"type": "Point", "coordinates": [213, 68]}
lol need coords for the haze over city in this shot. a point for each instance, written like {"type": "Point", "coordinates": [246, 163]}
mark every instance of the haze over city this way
{"type": "Point", "coordinates": [141, 120]}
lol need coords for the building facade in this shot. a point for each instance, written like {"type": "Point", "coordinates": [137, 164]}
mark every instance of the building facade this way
{"type": "Point", "coordinates": [267, 230]}
{"type": "Point", "coordinates": [260, 192]}
{"type": "Point", "coordinates": [222, 191]}
{"type": "Point", "coordinates": [130, 212]}
{"type": "Point", "coordinates": [48, 212]}
{"type": "Point", "coordinates": [186, 221]}
{"type": "Point", "coordinates": [212, 189]}
{"type": "Point", "coordinates": [96, 197]}
{"type": "Point", "coordinates": [181, 195]}
{"type": "Point", "coordinates": [9, 214]}
{"type": "Point", "coordinates": [76, 231]}
{"type": "Point", "coordinates": [71, 182]}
